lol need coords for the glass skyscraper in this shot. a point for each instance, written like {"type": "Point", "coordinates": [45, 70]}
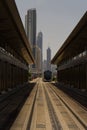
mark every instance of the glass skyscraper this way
{"type": "Point", "coordinates": [30, 27]}
{"type": "Point", "coordinates": [40, 45]}
{"type": "Point", "coordinates": [49, 59]}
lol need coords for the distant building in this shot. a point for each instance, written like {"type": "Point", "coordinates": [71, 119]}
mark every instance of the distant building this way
{"type": "Point", "coordinates": [38, 59]}
{"type": "Point", "coordinates": [44, 65]}
{"type": "Point", "coordinates": [30, 28]}
{"type": "Point", "coordinates": [49, 59]}
{"type": "Point", "coordinates": [40, 45]}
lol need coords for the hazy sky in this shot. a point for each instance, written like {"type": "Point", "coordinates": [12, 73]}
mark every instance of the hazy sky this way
{"type": "Point", "coordinates": [55, 18]}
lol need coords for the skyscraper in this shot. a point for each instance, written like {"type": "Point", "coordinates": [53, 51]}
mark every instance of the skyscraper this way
{"type": "Point", "coordinates": [44, 65]}
{"type": "Point", "coordinates": [38, 59]}
{"type": "Point", "coordinates": [40, 44]}
{"type": "Point", "coordinates": [49, 59]}
{"type": "Point", "coordinates": [30, 28]}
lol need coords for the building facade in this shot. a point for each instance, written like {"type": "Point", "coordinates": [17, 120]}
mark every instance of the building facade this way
{"type": "Point", "coordinates": [40, 45]}
{"type": "Point", "coordinates": [38, 59]}
{"type": "Point", "coordinates": [30, 28]}
{"type": "Point", "coordinates": [49, 59]}
{"type": "Point", "coordinates": [44, 65]}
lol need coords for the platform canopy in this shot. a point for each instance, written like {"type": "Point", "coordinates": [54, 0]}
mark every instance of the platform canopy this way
{"type": "Point", "coordinates": [75, 44]}
{"type": "Point", "coordinates": [12, 31]}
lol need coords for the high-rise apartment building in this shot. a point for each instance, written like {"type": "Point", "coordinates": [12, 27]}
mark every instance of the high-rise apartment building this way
{"type": "Point", "coordinates": [30, 28]}
{"type": "Point", "coordinates": [49, 59]}
{"type": "Point", "coordinates": [40, 45]}
{"type": "Point", "coordinates": [38, 59]}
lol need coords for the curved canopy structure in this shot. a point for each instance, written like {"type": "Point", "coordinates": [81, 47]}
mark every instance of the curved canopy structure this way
{"type": "Point", "coordinates": [12, 31]}
{"type": "Point", "coordinates": [75, 44]}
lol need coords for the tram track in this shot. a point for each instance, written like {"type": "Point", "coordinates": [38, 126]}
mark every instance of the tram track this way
{"type": "Point", "coordinates": [60, 115]}
{"type": "Point", "coordinates": [76, 116]}
{"type": "Point", "coordinates": [48, 109]}
{"type": "Point", "coordinates": [53, 118]}
{"type": "Point", "coordinates": [43, 111]}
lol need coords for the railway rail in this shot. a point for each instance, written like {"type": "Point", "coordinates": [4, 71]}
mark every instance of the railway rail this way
{"type": "Point", "coordinates": [77, 94]}
{"type": "Point", "coordinates": [52, 109]}
{"type": "Point", "coordinates": [77, 111]}
{"type": "Point", "coordinates": [53, 118]}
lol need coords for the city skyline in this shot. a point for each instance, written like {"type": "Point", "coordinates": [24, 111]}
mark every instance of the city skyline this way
{"type": "Point", "coordinates": [55, 21]}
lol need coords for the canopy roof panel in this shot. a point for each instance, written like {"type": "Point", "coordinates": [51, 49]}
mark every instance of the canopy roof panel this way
{"type": "Point", "coordinates": [12, 30]}
{"type": "Point", "coordinates": [74, 44]}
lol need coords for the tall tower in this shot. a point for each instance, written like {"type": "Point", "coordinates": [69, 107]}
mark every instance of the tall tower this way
{"type": "Point", "coordinates": [49, 59]}
{"type": "Point", "coordinates": [30, 28]}
{"type": "Point", "coordinates": [40, 45]}
{"type": "Point", "coordinates": [38, 59]}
